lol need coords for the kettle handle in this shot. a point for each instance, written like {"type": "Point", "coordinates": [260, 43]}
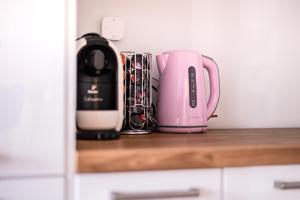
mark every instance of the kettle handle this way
{"type": "Point", "coordinates": [211, 66]}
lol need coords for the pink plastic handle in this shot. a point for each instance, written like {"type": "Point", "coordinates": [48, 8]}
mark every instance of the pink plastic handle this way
{"type": "Point", "coordinates": [213, 73]}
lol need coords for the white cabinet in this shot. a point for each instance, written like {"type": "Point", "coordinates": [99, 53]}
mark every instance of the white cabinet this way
{"type": "Point", "coordinates": [249, 183]}
{"type": "Point", "coordinates": [35, 98]}
{"type": "Point", "coordinates": [32, 189]}
{"type": "Point", "coordinates": [185, 184]}
{"type": "Point", "coordinates": [32, 87]}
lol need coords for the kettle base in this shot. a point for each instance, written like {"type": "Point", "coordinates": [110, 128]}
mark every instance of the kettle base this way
{"type": "Point", "coordinates": [182, 129]}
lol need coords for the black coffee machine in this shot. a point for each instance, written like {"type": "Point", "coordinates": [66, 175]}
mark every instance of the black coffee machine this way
{"type": "Point", "coordinates": [99, 88]}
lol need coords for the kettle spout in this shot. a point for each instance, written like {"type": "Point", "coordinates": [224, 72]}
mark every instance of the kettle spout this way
{"type": "Point", "coordinates": [161, 62]}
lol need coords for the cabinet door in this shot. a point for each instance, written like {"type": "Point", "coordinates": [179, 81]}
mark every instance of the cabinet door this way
{"type": "Point", "coordinates": [257, 183]}
{"type": "Point", "coordinates": [32, 189]}
{"type": "Point", "coordinates": [32, 87]}
{"type": "Point", "coordinates": [176, 184]}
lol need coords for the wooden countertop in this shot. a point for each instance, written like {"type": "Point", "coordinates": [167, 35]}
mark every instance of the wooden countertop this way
{"type": "Point", "coordinates": [215, 148]}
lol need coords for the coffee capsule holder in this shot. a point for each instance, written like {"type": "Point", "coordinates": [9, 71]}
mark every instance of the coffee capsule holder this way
{"type": "Point", "coordinates": [139, 111]}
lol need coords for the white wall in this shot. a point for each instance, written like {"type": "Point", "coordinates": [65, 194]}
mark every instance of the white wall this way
{"type": "Point", "coordinates": [255, 42]}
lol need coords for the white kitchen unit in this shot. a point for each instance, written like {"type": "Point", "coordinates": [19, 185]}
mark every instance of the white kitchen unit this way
{"type": "Point", "coordinates": [204, 184]}
{"type": "Point", "coordinates": [32, 189]}
{"type": "Point", "coordinates": [278, 182]}
{"type": "Point", "coordinates": [32, 88]}
{"type": "Point", "coordinates": [36, 98]}
{"type": "Point", "coordinates": [257, 183]}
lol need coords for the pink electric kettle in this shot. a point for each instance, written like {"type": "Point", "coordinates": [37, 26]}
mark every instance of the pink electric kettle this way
{"type": "Point", "coordinates": [182, 105]}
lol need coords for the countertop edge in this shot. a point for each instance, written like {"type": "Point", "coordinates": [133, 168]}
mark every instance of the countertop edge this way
{"type": "Point", "coordinates": [184, 158]}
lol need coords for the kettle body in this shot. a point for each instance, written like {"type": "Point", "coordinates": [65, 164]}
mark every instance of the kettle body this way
{"type": "Point", "coordinates": [99, 85]}
{"type": "Point", "coordinates": [182, 105]}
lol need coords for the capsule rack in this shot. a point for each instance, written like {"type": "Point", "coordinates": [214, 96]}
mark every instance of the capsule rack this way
{"type": "Point", "coordinates": [138, 108]}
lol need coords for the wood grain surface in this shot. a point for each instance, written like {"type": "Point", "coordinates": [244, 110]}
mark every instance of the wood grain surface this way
{"type": "Point", "coordinates": [215, 148]}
